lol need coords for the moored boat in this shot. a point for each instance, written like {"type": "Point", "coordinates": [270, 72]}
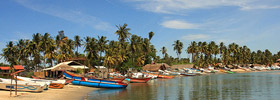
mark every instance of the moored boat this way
{"type": "Point", "coordinates": [5, 84]}
{"type": "Point", "coordinates": [165, 76]}
{"type": "Point", "coordinates": [57, 84]}
{"type": "Point", "coordinates": [230, 72]}
{"type": "Point", "coordinates": [187, 74]}
{"type": "Point", "coordinates": [138, 80]}
{"type": "Point", "coordinates": [100, 83]}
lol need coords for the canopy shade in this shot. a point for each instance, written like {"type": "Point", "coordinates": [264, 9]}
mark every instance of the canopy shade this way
{"type": "Point", "coordinates": [69, 65]}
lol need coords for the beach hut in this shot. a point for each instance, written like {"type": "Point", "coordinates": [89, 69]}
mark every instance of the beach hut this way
{"type": "Point", "coordinates": [155, 67]}
{"type": "Point", "coordinates": [4, 70]}
{"type": "Point", "coordinates": [56, 71]}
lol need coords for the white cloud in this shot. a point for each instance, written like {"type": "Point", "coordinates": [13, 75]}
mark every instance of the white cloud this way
{"type": "Point", "coordinates": [196, 37]}
{"type": "Point", "coordinates": [178, 24]}
{"type": "Point", "coordinates": [178, 6]}
{"type": "Point", "coordinates": [66, 14]}
{"type": "Point", "coordinates": [259, 7]}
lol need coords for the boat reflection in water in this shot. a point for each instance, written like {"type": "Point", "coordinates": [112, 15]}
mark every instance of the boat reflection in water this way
{"type": "Point", "coordinates": [105, 94]}
{"type": "Point", "coordinates": [242, 86]}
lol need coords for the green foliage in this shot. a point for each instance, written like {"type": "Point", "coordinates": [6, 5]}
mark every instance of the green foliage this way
{"type": "Point", "coordinates": [29, 74]}
{"type": "Point", "coordinates": [79, 71]}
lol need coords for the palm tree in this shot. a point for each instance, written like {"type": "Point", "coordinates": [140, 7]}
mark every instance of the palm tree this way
{"type": "Point", "coordinates": [151, 34]}
{"type": "Point", "coordinates": [123, 33]}
{"type": "Point", "coordinates": [77, 43]}
{"type": "Point", "coordinates": [102, 46]}
{"type": "Point", "coordinates": [178, 46]}
{"type": "Point", "coordinates": [35, 49]}
{"type": "Point", "coordinates": [192, 49]}
{"type": "Point", "coordinates": [222, 50]}
{"type": "Point", "coordinates": [163, 51]}
{"type": "Point", "coordinates": [10, 53]}
{"type": "Point", "coordinates": [91, 49]}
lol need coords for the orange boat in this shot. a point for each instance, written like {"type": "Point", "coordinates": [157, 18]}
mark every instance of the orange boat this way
{"type": "Point", "coordinates": [92, 77]}
{"type": "Point", "coordinates": [139, 80]}
{"type": "Point", "coordinates": [116, 79]}
{"type": "Point", "coordinates": [165, 76]}
{"type": "Point", "coordinates": [56, 85]}
{"type": "Point", "coordinates": [162, 76]}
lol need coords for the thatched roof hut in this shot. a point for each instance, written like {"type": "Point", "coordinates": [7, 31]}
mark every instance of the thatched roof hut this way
{"type": "Point", "coordinates": [67, 66]}
{"type": "Point", "coordinates": [182, 66]}
{"type": "Point", "coordinates": [155, 67]}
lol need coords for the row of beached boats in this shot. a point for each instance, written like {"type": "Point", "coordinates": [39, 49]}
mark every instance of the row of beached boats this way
{"type": "Point", "coordinates": [115, 81]}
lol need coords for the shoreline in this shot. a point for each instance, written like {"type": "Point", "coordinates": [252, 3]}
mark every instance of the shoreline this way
{"type": "Point", "coordinates": [72, 92]}
{"type": "Point", "coordinates": [69, 92]}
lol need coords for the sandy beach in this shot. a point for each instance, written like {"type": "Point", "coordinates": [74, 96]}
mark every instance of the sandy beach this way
{"type": "Point", "coordinates": [69, 92]}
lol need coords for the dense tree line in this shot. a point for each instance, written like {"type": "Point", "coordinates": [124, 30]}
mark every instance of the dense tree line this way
{"type": "Point", "coordinates": [204, 54]}
{"type": "Point", "coordinates": [130, 51]}
{"type": "Point", "coordinates": [43, 50]}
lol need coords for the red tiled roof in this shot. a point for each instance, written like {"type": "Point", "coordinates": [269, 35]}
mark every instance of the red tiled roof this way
{"type": "Point", "coordinates": [18, 67]}
{"type": "Point", "coordinates": [5, 68]}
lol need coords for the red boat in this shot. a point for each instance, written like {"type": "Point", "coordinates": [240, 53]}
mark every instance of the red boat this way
{"type": "Point", "coordinates": [165, 76]}
{"type": "Point", "coordinates": [92, 77]}
{"type": "Point", "coordinates": [139, 80]}
{"type": "Point", "coordinates": [116, 79]}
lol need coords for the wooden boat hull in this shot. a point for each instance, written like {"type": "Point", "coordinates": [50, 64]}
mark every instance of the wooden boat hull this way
{"type": "Point", "coordinates": [28, 88]}
{"type": "Point", "coordinates": [116, 79]}
{"type": "Point", "coordinates": [139, 80]}
{"type": "Point", "coordinates": [99, 84]}
{"type": "Point", "coordinates": [165, 76]}
{"type": "Point", "coordinates": [184, 74]}
{"type": "Point", "coordinates": [56, 85]}
{"type": "Point", "coordinates": [95, 82]}
{"type": "Point", "coordinates": [230, 72]}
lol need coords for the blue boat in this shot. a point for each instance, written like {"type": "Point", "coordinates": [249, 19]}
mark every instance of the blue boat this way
{"type": "Point", "coordinates": [94, 82]}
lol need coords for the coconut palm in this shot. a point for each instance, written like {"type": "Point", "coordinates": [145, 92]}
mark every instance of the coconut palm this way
{"type": "Point", "coordinates": [178, 46]}
{"type": "Point", "coordinates": [163, 51]}
{"type": "Point", "coordinates": [192, 49]}
{"type": "Point", "coordinates": [123, 33]}
{"type": "Point", "coordinates": [77, 43]}
{"type": "Point", "coordinates": [102, 46]}
{"type": "Point", "coordinates": [151, 34]}
{"type": "Point", "coordinates": [10, 53]}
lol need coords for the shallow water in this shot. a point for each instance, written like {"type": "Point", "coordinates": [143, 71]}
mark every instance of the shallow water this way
{"type": "Point", "coordinates": [240, 86]}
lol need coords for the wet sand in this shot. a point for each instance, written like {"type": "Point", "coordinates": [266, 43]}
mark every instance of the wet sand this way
{"type": "Point", "coordinates": [69, 92]}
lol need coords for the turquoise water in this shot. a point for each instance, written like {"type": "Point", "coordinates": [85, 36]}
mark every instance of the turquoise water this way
{"type": "Point", "coordinates": [240, 86]}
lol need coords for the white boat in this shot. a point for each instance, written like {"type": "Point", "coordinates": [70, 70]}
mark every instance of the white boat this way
{"type": "Point", "coordinates": [50, 83]}
{"type": "Point", "coordinates": [5, 84]}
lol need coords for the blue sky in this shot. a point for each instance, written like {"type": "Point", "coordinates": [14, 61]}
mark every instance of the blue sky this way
{"type": "Point", "coordinates": [254, 23]}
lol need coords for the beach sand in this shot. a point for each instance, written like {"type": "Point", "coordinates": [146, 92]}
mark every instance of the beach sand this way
{"type": "Point", "coordinates": [69, 92]}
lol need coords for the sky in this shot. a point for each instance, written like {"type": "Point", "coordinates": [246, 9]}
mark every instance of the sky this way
{"type": "Point", "coordinates": [254, 23]}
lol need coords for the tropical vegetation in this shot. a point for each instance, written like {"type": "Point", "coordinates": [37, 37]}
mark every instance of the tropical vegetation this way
{"type": "Point", "coordinates": [43, 50]}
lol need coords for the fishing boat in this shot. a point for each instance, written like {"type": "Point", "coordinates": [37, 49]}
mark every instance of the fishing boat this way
{"type": "Point", "coordinates": [187, 74]}
{"type": "Point", "coordinates": [160, 76]}
{"type": "Point", "coordinates": [229, 72]}
{"type": "Point", "coordinates": [165, 76]}
{"type": "Point", "coordinates": [77, 77]}
{"type": "Point", "coordinates": [116, 79]}
{"type": "Point", "coordinates": [94, 82]}
{"type": "Point", "coordinates": [5, 84]}
{"type": "Point", "coordinates": [138, 80]}
{"type": "Point", "coordinates": [57, 84]}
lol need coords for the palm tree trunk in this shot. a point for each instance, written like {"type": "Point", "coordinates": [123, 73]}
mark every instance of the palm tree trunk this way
{"type": "Point", "coordinates": [192, 58]}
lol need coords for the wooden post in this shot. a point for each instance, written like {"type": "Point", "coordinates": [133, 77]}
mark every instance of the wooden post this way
{"type": "Point", "coordinates": [11, 84]}
{"type": "Point", "coordinates": [16, 84]}
{"type": "Point", "coordinates": [11, 71]}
